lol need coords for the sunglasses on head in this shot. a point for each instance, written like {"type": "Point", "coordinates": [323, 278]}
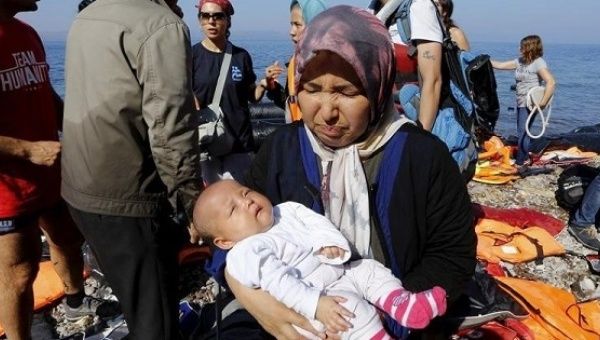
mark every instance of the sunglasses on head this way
{"type": "Point", "coordinates": [216, 16]}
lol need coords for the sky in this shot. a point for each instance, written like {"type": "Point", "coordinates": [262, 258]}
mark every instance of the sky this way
{"type": "Point", "coordinates": [556, 21]}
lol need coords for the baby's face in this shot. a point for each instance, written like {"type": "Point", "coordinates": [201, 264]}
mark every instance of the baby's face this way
{"type": "Point", "coordinates": [239, 212]}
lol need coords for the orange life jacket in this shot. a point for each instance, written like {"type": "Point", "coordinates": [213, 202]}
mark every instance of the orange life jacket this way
{"type": "Point", "coordinates": [553, 312]}
{"type": "Point", "coordinates": [500, 241]}
{"type": "Point", "coordinates": [292, 100]}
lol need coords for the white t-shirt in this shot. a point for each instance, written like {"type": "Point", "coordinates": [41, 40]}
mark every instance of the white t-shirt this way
{"type": "Point", "coordinates": [527, 77]}
{"type": "Point", "coordinates": [424, 24]}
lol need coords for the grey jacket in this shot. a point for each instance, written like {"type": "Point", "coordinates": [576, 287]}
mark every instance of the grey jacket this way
{"type": "Point", "coordinates": [129, 137]}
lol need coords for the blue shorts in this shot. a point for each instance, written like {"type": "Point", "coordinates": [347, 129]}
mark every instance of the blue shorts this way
{"type": "Point", "coordinates": [10, 224]}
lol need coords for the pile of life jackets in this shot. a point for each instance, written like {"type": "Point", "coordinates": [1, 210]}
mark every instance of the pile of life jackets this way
{"type": "Point", "coordinates": [552, 313]}
{"type": "Point", "coordinates": [494, 164]}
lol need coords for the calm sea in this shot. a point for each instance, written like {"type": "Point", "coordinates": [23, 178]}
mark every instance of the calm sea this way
{"type": "Point", "coordinates": [575, 67]}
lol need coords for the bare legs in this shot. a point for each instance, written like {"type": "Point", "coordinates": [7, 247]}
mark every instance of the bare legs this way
{"type": "Point", "coordinates": [20, 253]}
{"type": "Point", "coordinates": [19, 257]}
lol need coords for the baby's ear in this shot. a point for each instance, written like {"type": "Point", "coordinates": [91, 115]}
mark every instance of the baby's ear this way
{"type": "Point", "coordinates": [223, 243]}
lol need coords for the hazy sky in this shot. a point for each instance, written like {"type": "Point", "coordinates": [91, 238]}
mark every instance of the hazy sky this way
{"type": "Point", "coordinates": [557, 21]}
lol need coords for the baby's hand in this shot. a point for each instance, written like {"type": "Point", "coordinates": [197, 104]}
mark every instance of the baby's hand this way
{"type": "Point", "coordinates": [332, 252]}
{"type": "Point", "coordinates": [332, 314]}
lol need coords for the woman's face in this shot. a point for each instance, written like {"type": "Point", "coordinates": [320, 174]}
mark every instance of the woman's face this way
{"type": "Point", "coordinates": [213, 20]}
{"type": "Point", "coordinates": [333, 102]}
{"type": "Point", "coordinates": [296, 23]}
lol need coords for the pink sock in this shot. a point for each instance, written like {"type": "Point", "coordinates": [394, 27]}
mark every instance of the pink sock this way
{"type": "Point", "coordinates": [414, 310]}
{"type": "Point", "coordinates": [381, 335]}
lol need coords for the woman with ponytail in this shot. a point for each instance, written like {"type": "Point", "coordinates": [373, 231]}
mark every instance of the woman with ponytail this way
{"type": "Point", "coordinates": [445, 8]}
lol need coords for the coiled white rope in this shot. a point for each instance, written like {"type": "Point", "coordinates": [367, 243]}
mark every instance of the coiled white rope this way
{"type": "Point", "coordinates": [534, 96]}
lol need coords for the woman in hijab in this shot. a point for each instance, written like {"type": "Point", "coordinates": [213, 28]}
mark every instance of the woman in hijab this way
{"type": "Point", "coordinates": [301, 14]}
{"type": "Point", "coordinates": [391, 188]}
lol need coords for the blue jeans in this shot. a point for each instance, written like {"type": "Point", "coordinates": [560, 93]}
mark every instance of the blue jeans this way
{"type": "Point", "coordinates": [586, 214]}
{"type": "Point", "coordinates": [524, 139]}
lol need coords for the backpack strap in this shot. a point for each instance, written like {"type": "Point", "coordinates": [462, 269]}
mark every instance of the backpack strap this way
{"type": "Point", "coordinates": [402, 19]}
{"type": "Point", "coordinates": [311, 170]}
{"type": "Point", "coordinates": [380, 195]}
{"type": "Point", "coordinates": [222, 76]}
{"type": "Point", "coordinates": [386, 177]}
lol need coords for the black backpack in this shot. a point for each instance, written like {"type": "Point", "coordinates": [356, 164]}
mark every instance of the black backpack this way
{"type": "Point", "coordinates": [482, 83]}
{"type": "Point", "coordinates": [572, 184]}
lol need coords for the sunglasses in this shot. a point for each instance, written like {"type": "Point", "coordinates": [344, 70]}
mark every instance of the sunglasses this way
{"type": "Point", "coordinates": [217, 16]}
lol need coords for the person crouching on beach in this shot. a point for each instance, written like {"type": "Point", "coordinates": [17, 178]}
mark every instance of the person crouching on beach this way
{"type": "Point", "coordinates": [300, 258]}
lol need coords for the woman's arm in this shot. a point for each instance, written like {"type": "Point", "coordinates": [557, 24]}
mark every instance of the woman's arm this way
{"type": "Point", "coordinates": [430, 69]}
{"type": "Point", "coordinates": [458, 36]}
{"type": "Point", "coordinates": [257, 91]}
{"type": "Point", "coordinates": [504, 65]}
{"type": "Point", "coordinates": [272, 72]}
{"type": "Point", "coordinates": [449, 255]}
{"type": "Point", "coordinates": [550, 86]}
{"type": "Point", "coordinates": [272, 315]}
{"type": "Point", "coordinates": [278, 95]}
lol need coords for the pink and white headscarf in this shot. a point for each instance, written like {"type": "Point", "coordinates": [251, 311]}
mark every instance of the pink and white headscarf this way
{"type": "Point", "coordinates": [359, 38]}
{"type": "Point", "coordinates": [363, 41]}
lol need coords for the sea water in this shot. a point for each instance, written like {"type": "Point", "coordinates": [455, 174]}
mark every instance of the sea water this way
{"type": "Point", "coordinates": [576, 69]}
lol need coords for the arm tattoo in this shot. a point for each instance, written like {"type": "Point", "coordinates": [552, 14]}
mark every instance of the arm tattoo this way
{"type": "Point", "coordinates": [428, 55]}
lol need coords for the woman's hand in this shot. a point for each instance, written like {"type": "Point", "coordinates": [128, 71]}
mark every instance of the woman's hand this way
{"type": "Point", "coordinates": [272, 72]}
{"type": "Point", "coordinates": [272, 315]}
{"type": "Point", "coordinates": [266, 84]}
{"type": "Point", "coordinates": [549, 88]}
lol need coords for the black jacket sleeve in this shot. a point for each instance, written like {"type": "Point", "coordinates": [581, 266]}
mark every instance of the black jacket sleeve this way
{"type": "Point", "coordinates": [278, 95]}
{"type": "Point", "coordinates": [448, 253]}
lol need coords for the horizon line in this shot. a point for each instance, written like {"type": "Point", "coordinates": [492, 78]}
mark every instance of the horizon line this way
{"type": "Point", "coordinates": [52, 37]}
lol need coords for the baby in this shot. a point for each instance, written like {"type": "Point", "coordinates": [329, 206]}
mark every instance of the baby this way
{"type": "Point", "coordinates": [301, 259]}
